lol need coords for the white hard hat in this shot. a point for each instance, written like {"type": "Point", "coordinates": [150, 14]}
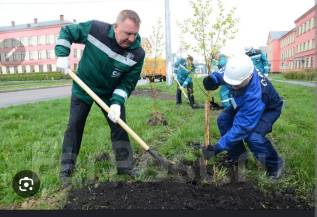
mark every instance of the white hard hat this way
{"type": "Point", "coordinates": [238, 68]}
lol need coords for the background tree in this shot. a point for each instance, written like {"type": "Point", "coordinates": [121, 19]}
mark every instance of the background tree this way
{"type": "Point", "coordinates": [205, 33]}
{"type": "Point", "coordinates": [155, 59]}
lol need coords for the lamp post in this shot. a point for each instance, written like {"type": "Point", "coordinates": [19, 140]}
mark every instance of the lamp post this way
{"type": "Point", "coordinates": [169, 76]}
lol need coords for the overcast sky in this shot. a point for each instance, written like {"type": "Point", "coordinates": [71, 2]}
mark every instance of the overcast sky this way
{"type": "Point", "coordinates": [257, 17]}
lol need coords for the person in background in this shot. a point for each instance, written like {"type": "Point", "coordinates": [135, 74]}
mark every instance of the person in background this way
{"type": "Point", "coordinates": [183, 70]}
{"type": "Point", "coordinates": [259, 59]}
{"type": "Point", "coordinates": [224, 89]}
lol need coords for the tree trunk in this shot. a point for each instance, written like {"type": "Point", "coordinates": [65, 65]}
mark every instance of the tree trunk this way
{"type": "Point", "coordinates": [207, 121]}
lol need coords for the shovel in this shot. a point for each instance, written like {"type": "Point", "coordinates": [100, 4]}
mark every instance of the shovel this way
{"type": "Point", "coordinates": [169, 165]}
{"type": "Point", "coordinates": [181, 88]}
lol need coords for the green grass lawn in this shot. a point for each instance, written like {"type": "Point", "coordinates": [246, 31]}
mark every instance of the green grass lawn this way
{"type": "Point", "coordinates": [31, 137]}
{"type": "Point", "coordinates": [277, 76]}
{"type": "Point", "coordinates": [17, 85]}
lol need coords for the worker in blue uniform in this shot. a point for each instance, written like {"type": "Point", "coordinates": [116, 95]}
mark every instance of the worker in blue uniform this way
{"type": "Point", "coordinates": [255, 106]}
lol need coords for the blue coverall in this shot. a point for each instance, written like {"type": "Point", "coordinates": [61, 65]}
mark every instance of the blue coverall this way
{"type": "Point", "coordinates": [184, 78]}
{"type": "Point", "coordinates": [254, 110]}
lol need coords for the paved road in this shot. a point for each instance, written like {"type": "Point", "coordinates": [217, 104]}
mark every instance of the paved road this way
{"type": "Point", "coordinates": [301, 83]}
{"type": "Point", "coordinates": [29, 96]}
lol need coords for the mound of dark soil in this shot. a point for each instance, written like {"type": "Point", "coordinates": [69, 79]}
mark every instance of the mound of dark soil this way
{"type": "Point", "coordinates": [156, 119]}
{"type": "Point", "coordinates": [172, 195]}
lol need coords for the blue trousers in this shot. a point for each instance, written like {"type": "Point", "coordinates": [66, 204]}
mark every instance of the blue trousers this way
{"type": "Point", "coordinates": [259, 145]}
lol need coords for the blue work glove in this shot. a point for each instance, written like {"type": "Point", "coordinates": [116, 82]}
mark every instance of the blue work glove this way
{"type": "Point", "coordinates": [185, 84]}
{"type": "Point", "coordinates": [211, 151]}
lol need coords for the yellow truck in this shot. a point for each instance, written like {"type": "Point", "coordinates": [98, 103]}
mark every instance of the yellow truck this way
{"type": "Point", "coordinates": [154, 69]}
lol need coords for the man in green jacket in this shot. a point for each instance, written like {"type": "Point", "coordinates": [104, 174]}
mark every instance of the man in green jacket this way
{"type": "Point", "coordinates": [110, 65]}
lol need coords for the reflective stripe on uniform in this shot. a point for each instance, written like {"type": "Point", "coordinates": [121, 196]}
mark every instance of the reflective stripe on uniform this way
{"type": "Point", "coordinates": [121, 93]}
{"type": "Point", "coordinates": [63, 42]}
{"type": "Point", "coordinates": [110, 52]}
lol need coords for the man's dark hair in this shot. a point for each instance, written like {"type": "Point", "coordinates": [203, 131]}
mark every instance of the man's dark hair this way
{"type": "Point", "coordinates": [189, 57]}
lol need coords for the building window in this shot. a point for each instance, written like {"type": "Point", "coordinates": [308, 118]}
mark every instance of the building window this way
{"type": "Point", "coordinates": [6, 58]}
{"type": "Point", "coordinates": [52, 39]}
{"type": "Point", "coordinates": [42, 39]}
{"type": "Point", "coordinates": [41, 68]}
{"type": "Point", "coordinates": [307, 25]}
{"type": "Point", "coordinates": [43, 54]}
{"type": "Point", "coordinates": [32, 68]}
{"type": "Point", "coordinates": [24, 41]}
{"type": "Point", "coordinates": [75, 53]}
{"type": "Point", "coordinates": [34, 40]}
{"type": "Point", "coordinates": [49, 67]}
{"type": "Point", "coordinates": [26, 55]}
{"type": "Point", "coordinates": [48, 54]}
{"type": "Point", "coordinates": [47, 39]}
{"type": "Point", "coordinates": [23, 69]}
{"type": "Point", "coordinates": [0, 69]}
{"type": "Point", "coordinates": [30, 41]}
{"type": "Point", "coordinates": [16, 43]}
{"type": "Point", "coordinates": [8, 43]}
{"type": "Point", "coordinates": [312, 23]}
{"type": "Point", "coordinates": [35, 55]}
{"type": "Point", "coordinates": [31, 55]}
{"type": "Point", "coordinates": [78, 53]}
{"type": "Point", "coordinates": [15, 68]}
{"type": "Point", "coordinates": [75, 66]}
{"type": "Point", "coordinates": [8, 70]}
{"type": "Point", "coordinates": [52, 54]}
{"type": "Point", "coordinates": [17, 56]}
{"type": "Point", "coordinates": [11, 58]}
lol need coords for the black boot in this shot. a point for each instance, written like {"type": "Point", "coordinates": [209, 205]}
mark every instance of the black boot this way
{"type": "Point", "coordinates": [66, 178]}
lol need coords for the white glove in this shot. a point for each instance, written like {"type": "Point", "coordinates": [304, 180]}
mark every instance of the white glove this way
{"type": "Point", "coordinates": [62, 64]}
{"type": "Point", "coordinates": [114, 113]}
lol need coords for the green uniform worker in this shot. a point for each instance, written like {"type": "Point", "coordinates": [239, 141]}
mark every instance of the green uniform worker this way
{"type": "Point", "coordinates": [111, 65]}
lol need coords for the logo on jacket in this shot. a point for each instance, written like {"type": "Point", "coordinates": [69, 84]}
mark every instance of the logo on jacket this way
{"type": "Point", "coordinates": [116, 74]}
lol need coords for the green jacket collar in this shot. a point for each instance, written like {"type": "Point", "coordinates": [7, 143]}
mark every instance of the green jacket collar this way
{"type": "Point", "coordinates": [136, 44]}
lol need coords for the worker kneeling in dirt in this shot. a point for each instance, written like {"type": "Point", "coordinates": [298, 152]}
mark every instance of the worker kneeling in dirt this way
{"type": "Point", "coordinates": [183, 70]}
{"type": "Point", "coordinates": [111, 65]}
{"type": "Point", "coordinates": [255, 106]}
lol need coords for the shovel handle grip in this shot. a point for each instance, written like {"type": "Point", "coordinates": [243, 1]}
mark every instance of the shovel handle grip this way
{"type": "Point", "coordinates": [106, 108]}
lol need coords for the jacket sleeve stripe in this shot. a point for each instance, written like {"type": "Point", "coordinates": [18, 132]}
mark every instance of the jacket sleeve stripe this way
{"type": "Point", "coordinates": [63, 42]}
{"type": "Point", "coordinates": [121, 93]}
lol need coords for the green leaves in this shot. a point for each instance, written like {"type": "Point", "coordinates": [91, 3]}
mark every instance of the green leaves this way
{"type": "Point", "coordinates": [210, 27]}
